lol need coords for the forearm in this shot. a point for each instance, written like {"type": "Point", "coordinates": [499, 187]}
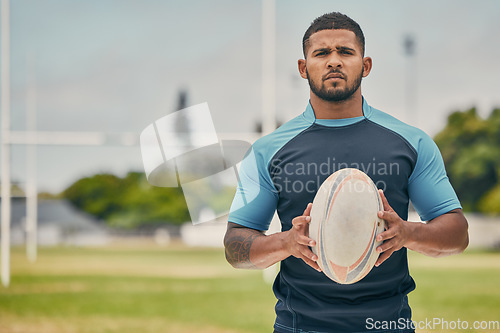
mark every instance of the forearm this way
{"type": "Point", "coordinates": [248, 248]}
{"type": "Point", "coordinates": [445, 235]}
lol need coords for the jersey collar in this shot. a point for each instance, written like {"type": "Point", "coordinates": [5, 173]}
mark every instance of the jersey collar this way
{"type": "Point", "coordinates": [310, 117]}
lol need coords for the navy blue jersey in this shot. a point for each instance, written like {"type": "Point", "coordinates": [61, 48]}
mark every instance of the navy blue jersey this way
{"type": "Point", "coordinates": [283, 172]}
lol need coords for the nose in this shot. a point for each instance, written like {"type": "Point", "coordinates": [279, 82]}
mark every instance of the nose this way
{"type": "Point", "coordinates": [334, 61]}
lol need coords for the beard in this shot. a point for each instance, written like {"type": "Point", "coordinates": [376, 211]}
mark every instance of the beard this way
{"type": "Point", "coordinates": [335, 94]}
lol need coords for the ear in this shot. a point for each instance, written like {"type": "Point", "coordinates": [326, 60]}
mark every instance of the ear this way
{"type": "Point", "coordinates": [367, 66]}
{"type": "Point", "coordinates": [302, 68]}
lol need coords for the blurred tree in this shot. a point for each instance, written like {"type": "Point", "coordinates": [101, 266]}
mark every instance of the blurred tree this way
{"type": "Point", "coordinates": [490, 203]}
{"type": "Point", "coordinates": [471, 151]}
{"type": "Point", "coordinates": [16, 190]}
{"type": "Point", "coordinates": [97, 195]}
{"type": "Point", "coordinates": [127, 202]}
{"type": "Point", "coordinates": [48, 196]}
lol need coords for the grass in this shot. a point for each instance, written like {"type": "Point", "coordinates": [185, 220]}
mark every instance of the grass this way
{"type": "Point", "coordinates": [465, 287]}
{"type": "Point", "coordinates": [145, 288]}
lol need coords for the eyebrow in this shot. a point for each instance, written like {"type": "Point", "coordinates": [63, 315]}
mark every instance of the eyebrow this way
{"type": "Point", "coordinates": [339, 48]}
{"type": "Point", "coordinates": [345, 48]}
{"type": "Point", "coordinates": [324, 49]}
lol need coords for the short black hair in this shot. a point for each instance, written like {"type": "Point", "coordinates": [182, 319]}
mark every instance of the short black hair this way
{"type": "Point", "coordinates": [334, 21]}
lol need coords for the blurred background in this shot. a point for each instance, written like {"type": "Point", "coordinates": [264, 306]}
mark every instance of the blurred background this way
{"type": "Point", "coordinates": [114, 251]}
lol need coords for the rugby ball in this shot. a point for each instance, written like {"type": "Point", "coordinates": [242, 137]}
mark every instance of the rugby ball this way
{"type": "Point", "coordinates": [344, 224]}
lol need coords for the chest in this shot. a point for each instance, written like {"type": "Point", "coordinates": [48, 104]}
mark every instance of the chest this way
{"type": "Point", "coordinates": [299, 169]}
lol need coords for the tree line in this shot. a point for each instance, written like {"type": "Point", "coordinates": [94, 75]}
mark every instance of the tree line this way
{"type": "Point", "coordinates": [128, 202]}
{"type": "Point", "coordinates": [470, 147]}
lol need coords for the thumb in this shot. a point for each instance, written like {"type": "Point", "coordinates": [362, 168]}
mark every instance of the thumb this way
{"type": "Point", "coordinates": [385, 203]}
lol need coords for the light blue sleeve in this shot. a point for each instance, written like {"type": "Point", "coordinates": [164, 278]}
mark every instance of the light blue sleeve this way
{"type": "Point", "coordinates": [429, 187]}
{"type": "Point", "coordinates": [256, 197]}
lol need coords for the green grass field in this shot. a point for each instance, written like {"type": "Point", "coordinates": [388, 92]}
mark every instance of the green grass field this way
{"type": "Point", "coordinates": [146, 288]}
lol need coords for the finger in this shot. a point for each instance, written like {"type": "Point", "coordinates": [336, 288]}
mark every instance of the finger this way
{"type": "Point", "coordinates": [304, 240]}
{"type": "Point", "coordinates": [301, 221]}
{"type": "Point", "coordinates": [383, 257]}
{"type": "Point", "coordinates": [386, 246]}
{"type": "Point", "coordinates": [388, 234]}
{"type": "Point", "coordinates": [311, 263]}
{"type": "Point", "coordinates": [385, 203]}
{"type": "Point", "coordinates": [309, 258]}
{"type": "Point", "coordinates": [388, 216]}
{"type": "Point", "coordinates": [307, 253]}
{"type": "Point", "coordinates": [307, 212]}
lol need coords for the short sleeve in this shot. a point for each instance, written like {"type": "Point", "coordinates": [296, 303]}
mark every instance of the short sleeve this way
{"type": "Point", "coordinates": [256, 198]}
{"type": "Point", "coordinates": [429, 187]}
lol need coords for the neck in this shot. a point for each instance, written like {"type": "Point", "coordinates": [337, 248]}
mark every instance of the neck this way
{"type": "Point", "coordinates": [350, 108]}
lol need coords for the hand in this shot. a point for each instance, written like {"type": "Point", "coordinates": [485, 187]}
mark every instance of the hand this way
{"type": "Point", "coordinates": [396, 234]}
{"type": "Point", "coordinates": [297, 241]}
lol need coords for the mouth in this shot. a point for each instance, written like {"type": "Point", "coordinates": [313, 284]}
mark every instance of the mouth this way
{"type": "Point", "coordinates": [334, 76]}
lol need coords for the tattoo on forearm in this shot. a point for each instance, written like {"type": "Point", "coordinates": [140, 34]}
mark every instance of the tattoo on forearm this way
{"type": "Point", "coordinates": [238, 248]}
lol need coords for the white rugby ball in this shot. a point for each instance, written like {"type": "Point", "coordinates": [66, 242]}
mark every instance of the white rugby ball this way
{"type": "Point", "coordinates": [344, 224]}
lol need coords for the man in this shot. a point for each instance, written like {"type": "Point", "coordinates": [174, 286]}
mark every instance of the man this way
{"type": "Point", "coordinates": [284, 170]}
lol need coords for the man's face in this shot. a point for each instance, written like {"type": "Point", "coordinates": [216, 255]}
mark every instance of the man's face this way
{"type": "Point", "coordinates": [334, 64]}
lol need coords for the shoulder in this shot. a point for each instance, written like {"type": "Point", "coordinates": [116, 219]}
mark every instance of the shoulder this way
{"type": "Point", "coordinates": [416, 138]}
{"type": "Point", "coordinates": [428, 156]}
{"type": "Point", "coordinates": [267, 146]}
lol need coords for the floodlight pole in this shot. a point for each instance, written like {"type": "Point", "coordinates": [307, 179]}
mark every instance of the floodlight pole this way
{"type": "Point", "coordinates": [5, 177]}
{"type": "Point", "coordinates": [268, 67]}
{"type": "Point", "coordinates": [411, 80]}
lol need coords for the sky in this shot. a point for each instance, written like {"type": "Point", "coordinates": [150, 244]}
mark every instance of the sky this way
{"type": "Point", "coordinates": [117, 66]}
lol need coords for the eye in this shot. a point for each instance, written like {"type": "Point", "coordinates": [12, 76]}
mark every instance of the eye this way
{"type": "Point", "coordinates": [322, 52]}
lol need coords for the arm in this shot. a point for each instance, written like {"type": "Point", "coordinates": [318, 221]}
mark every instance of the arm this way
{"type": "Point", "coordinates": [444, 235]}
{"type": "Point", "coordinates": [250, 248]}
